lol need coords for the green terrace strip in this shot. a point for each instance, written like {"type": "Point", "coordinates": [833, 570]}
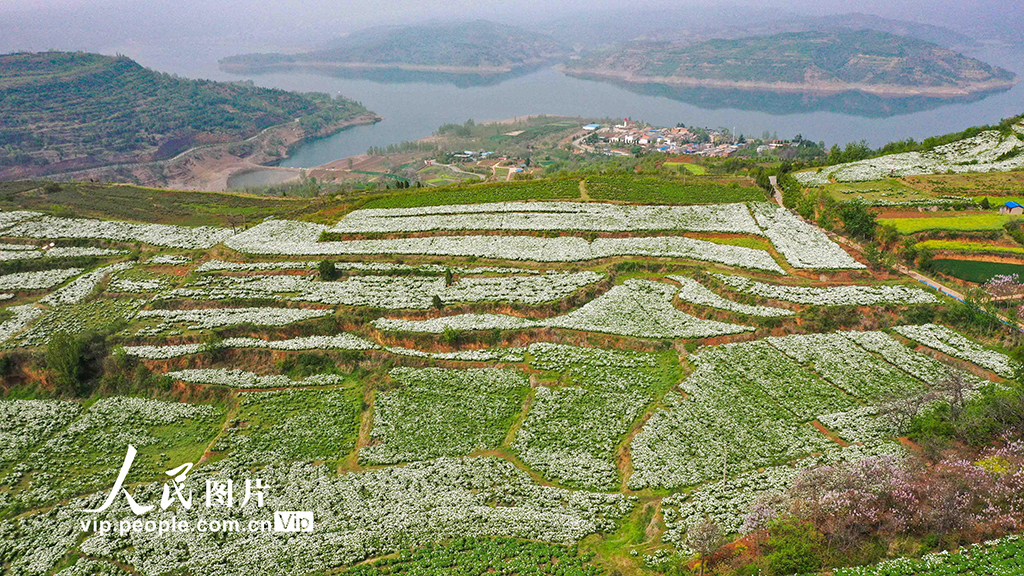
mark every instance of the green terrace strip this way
{"type": "Point", "coordinates": [472, 194]}
{"type": "Point", "coordinates": [968, 246]}
{"type": "Point", "coordinates": [662, 191]}
{"type": "Point", "coordinates": [959, 223]}
{"type": "Point", "coordinates": [164, 432]}
{"type": "Point", "coordinates": [435, 412]}
{"type": "Point", "coordinates": [572, 431]}
{"type": "Point", "coordinates": [977, 271]}
{"type": "Point", "coordinates": [285, 425]}
{"type": "Point", "coordinates": [483, 556]}
{"type": "Point", "coordinates": [638, 308]}
{"type": "Point", "coordinates": [696, 293]}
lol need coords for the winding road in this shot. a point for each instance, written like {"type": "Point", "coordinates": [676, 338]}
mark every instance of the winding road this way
{"type": "Point", "coordinates": [928, 281]}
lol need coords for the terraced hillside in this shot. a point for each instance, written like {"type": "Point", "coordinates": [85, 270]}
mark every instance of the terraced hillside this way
{"type": "Point", "coordinates": [551, 386]}
{"type": "Point", "coordinates": [64, 111]}
{"type": "Point", "coordinates": [811, 62]}
{"type": "Point", "coordinates": [995, 149]}
{"type": "Point", "coordinates": [476, 47]}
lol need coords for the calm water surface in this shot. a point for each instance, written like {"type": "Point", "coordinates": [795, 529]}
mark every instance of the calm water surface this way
{"type": "Point", "coordinates": [414, 109]}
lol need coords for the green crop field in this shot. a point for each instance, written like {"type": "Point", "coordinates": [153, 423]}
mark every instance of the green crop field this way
{"type": "Point", "coordinates": [977, 271]}
{"type": "Point", "coordinates": [879, 192]}
{"type": "Point", "coordinates": [695, 169]}
{"type": "Point", "coordinates": [127, 202]}
{"type": "Point", "coordinates": [967, 246]}
{"type": "Point", "coordinates": [960, 223]}
{"type": "Point", "coordinates": [481, 193]}
{"type": "Point", "coordinates": [665, 191]}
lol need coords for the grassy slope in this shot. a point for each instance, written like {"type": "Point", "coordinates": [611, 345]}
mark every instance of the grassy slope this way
{"type": "Point", "coordinates": [154, 205]}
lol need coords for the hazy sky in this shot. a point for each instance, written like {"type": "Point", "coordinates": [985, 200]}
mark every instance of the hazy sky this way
{"type": "Point", "coordinates": [342, 12]}
{"type": "Point", "coordinates": [187, 37]}
{"type": "Point", "coordinates": [172, 34]}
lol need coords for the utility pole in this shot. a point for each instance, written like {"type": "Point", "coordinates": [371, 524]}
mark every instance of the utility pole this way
{"type": "Point", "coordinates": [725, 463]}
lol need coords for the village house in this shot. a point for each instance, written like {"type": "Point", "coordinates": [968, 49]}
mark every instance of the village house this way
{"type": "Point", "coordinates": [1011, 208]}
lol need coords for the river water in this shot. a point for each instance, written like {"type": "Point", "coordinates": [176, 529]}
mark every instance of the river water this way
{"type": "Point", "coordinates": [414, 108]}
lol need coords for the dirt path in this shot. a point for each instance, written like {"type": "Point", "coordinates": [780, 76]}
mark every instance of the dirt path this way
{"type": "Point", "coordinates": [926, 280]}
{"type": "Point", "coordinates": [458, 170]}
{"type": "Point", "coordinates": [584, 197]}
{"type": "Point", "coordinates": [776, 191]}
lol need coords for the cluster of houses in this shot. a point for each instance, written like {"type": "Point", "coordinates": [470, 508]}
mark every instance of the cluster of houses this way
{"type": "Point", "coordinates": [678, 140]}
{"type": "Point", "coordinates": [471, 155]}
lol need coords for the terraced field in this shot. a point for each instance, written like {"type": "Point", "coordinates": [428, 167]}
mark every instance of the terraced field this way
{"type": "Point", "coordinates": [451, 385]}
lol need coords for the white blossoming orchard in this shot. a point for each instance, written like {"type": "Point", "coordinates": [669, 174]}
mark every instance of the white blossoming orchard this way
{"type": "Point", "coordinates": [694, 292]}
{"type": "Point", "coordinates": [202, 237]}
{"type": "Point", "coordinates": [10, 218]}
{"type": "Point", "coordinates": [170, 259]}
{"type": "Point", "coordinates": [39, 280]}
{"type": "Point", "coordinates": [845, 295]}
{"type": "Point", "coordinates": [639, 308]}
{"type": "Point", "coordinates": [205, 319]}
{"type": "Point", "coordinates": [300, 238]}
{"type": "Point", "coordinates": [803, 245]}
{"type": "Point", "coordinates": [235, 378]}
{"type": "Point", "coordinates": [392, 292]}
{"type": "Point", "coordinates": [988, 151]}
{"type": "Point", "coordinates": [956, 345]}
{"type": "Point", "coordinates": [22, 317]}
{"type": "Point", "coordinates": [80, 288]}
{"type": "Point", "coordinates": [535, 216]}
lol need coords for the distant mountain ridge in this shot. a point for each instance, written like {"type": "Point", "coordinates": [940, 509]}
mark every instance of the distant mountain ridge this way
{"type": "Point", "coordinates": [692, 26]}
{"type": "Point", "coordinates": [814, 62]}
{"type": "Point", "coordinates": [479, 47]}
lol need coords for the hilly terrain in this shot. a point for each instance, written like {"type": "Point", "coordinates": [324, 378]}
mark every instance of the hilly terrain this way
{"type": "Point", "coordinates": [813, 62]}
{"type": "Point", "coordinates": [478, 47]}
{"type": "Point", "coordinates": [631, 372]}
{"type": "Point", "coordinates": [688, 26]}
{"type": "Point", "coordinates": [64, 111]}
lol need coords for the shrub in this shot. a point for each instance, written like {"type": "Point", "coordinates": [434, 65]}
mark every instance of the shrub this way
{"type": "Point", "coordinates": [63, 361]}
{"type": "Point", "coordinates": [795, 547]}
{"type": "Point", "coordinates": [327, 270]}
